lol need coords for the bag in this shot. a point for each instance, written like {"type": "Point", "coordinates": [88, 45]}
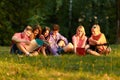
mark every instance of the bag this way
{"type": "Point", "coordinates": [80, 51]}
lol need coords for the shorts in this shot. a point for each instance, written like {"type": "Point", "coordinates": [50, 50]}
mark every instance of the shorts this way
{"type": "Point", "coordinates": [93, 47]}
{"type": "Point", "coordinates": [60, 50]}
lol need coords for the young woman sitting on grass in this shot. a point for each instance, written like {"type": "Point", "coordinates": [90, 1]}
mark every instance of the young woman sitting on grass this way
{"type": "Point", "coordinates": [37, 30]}
{"type": "Point", "coordinates": [97, 42]}
{"type": "Point", "coordinates": [45, 37]}
{"type": "Point", "coordinates": [79, 41]}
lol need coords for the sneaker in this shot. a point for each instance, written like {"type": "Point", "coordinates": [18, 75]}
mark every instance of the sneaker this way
{"type": "Point", "coordinates": [56, 54]}
{"type": "Point", "coordinates": [20, 55]}
{"type": "Point", "coordinates": [29, 55]}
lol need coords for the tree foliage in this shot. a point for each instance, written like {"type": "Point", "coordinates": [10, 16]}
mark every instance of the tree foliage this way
{"type": "Point", "coordinates": [15, 14]}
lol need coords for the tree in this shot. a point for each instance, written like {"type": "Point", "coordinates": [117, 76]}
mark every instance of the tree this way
{"type": "Point", "coordinates": [15, 14]}
{"type": "Point", "coordinates": [118, 21]}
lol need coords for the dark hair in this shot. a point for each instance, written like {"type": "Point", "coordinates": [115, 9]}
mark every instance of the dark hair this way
{"type": "Point", "coordinates": [38, 27]}
{"type": "Point", "coordinates": [56, 27]}
{"type": "Point", "coordinates": [45, 29]}
{"type": "Point", "coordinates": [35, 27]}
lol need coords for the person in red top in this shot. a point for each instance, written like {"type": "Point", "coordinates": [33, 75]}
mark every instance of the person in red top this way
{"type": "Point", "coordinates": [97, 42]}
{"type": "Point", "coordinates": [79, 40]}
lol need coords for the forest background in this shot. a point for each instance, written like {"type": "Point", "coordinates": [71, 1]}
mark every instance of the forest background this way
{"type": "Point", "coordinates": [16, 14]}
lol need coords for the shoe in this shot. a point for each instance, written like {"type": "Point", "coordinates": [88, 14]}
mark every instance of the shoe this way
{"type": "Point", "coordinates": [29, 55]}
{"type": "Point", "coordinates": [56, 54]}
{"type": "Point", "coordinates": [20, 55]}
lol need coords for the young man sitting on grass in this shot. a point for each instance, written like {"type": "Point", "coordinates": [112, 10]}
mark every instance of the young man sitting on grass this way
{"type": "Point", "coordinates": [58, 43]}
{"type": "Point", "coordinates": [22, 44]}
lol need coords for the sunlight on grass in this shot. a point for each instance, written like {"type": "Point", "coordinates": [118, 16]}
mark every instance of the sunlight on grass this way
{"type": "Point", "coordinates": [65, 67]}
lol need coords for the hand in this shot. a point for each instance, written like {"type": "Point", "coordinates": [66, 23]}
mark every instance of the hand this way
{"type": "Point", "coordinates": [42, 37]}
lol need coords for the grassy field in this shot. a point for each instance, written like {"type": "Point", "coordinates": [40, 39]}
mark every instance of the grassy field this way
{"type": "Point", "coordinates": [65, 67]}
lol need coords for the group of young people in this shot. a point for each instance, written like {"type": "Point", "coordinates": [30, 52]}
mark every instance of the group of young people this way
{"type": "Point", "coordinates": [36, 40]}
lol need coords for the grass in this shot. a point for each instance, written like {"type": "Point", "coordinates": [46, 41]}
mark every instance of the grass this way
{"type": "Point", "coordinates": [65, 67]}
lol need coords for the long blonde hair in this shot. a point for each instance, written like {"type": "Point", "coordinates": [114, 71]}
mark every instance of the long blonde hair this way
{"type": "Point", "coordinates": [82, 29]}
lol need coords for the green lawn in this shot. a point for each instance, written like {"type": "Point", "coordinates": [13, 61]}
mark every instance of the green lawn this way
{"type": "Point", "coordinates": [65, 67]}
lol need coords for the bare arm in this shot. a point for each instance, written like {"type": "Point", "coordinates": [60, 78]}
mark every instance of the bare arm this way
{"type": "Point", "coordinates": [101, 40]}
{"type": "Point", "coordinates": [92, 41]}
{"type": "Point", "coordinates": [74, 43]}
{"type": "Point", "coordinates": [19, 40]}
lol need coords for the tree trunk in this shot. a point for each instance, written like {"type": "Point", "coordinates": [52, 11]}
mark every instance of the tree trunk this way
{"type": "Point", "coordinates": [118, 21]}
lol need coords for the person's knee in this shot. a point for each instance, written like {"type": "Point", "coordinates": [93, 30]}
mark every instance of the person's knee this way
{"type": "Point", "coordinates": [70, 45]}
{"type": "Point", "coordinates": [108, 50]}
{"type": "Point", "coordinates": [61, 43]}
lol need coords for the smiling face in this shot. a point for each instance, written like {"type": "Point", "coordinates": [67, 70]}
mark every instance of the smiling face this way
{"type": "Point", "coordinates": [55, 32]}
{"type": "Point", "coordinates": [80, 31]}
{"type": "Point", "coordinates": [46, 33]}
{"type": "Point", "coordinates": [28, 30]}
{"type": "Point", "coordinates": [36, 32]}
{"type": "Point", "coordinates": [28, 33]}
{"type": "Point", "coordinates": [95, 30]}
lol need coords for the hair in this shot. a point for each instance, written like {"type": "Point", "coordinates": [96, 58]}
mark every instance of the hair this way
{"type": "Point", "coordinates": [96, 26]}
{"type": "Point", "coordinates": [81, 28]}
{"type": "Point", "coordinates": [45, 29]}
{"type": "Point", "coordinates": [37, 27]}
{"type": "Point", "coordinates": [28, 28]}
{"type": "Point", "coordinates": [56, 27]}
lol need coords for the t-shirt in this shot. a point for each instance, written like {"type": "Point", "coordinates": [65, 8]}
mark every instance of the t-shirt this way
{"type": "Point", "coordinates": [21, 36]}
{"type": "Point", "coordinates": [80, 43]}
{"type": "Point", "coordinates": [96, 37]}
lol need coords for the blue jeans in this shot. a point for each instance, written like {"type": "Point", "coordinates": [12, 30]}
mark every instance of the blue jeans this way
{"type": "Point", "coordinates": [60, 50]}
{"type": "Point", "coordinates": [14, 50]}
